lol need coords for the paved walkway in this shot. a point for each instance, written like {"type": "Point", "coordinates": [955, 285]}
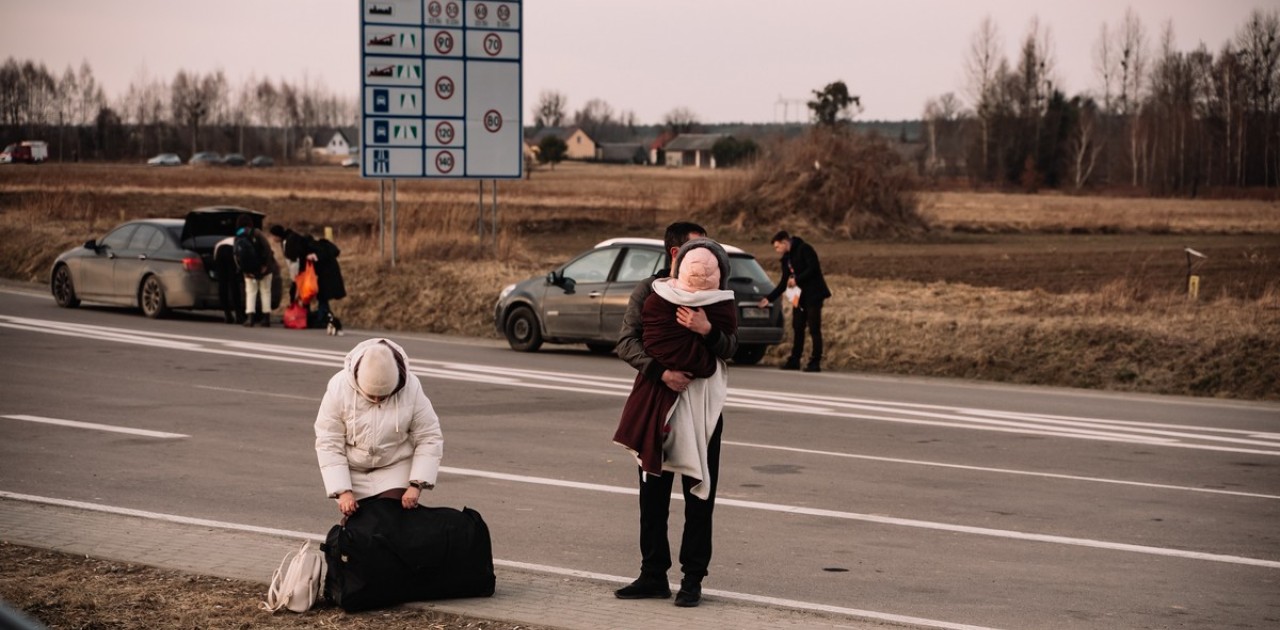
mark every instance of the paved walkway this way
{"type": "Point", "coordinates": [523, 596]}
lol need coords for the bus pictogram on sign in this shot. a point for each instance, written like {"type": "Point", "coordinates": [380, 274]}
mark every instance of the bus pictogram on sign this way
{"type": "Point", "coordinates": [492, 44]}
{"type": "Point", "coordinates": [492, 121]}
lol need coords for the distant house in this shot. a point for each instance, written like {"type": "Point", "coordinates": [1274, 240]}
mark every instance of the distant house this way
{"type": "Point", "coordinates": [621, 152]}
{"type": "Point", "coordinates": [580, 145]}
{"type": "Point", "coordinates": [330, 143]}
{"type": "Point", "coordinates": [657, 148]}
{"type": "Point", "coordinates": [692, 149]}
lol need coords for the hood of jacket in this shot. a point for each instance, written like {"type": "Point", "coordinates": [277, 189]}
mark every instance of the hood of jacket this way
{"type": "Point", "coordinates": [352, 361]}
{"type": "Point", "coordinates": [721, 256]}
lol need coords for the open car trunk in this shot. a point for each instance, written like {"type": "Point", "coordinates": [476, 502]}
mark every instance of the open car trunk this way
{"type": "Point", "coordinates": [204, 227]}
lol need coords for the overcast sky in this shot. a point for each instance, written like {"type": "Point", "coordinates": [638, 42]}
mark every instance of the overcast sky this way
{"type": "Point", "coordinates": [727, 60]}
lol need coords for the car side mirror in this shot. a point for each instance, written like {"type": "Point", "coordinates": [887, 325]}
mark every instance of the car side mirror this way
{"type": "Point", "coordinates": [554, 278]}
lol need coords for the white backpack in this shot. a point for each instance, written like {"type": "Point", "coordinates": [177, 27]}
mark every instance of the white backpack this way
{"type": "Point", "coordinates": [296, 584]}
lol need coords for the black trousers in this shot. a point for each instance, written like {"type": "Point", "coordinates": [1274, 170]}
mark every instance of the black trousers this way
{"type": "Point", "coordinates": [810, 316]}
{"type": "Point", "coordinates": [655, 506]}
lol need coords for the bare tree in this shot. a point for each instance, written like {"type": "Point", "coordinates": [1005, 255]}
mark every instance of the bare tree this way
{"type": "Point", "coordinates": [680, 120]}
{"type": "Point", "coordinates": [550, 109]}
{"type": "Point", "coordinates": [982, 67]}
{"type": "Point", "coordinates": [1084, 145]}
{"type": "Point", "coordinates": [1258, 42]}
{"type": "Point", "coordinates": [1133, 70]}
{"type": "Point", "coordinates": [595, 118]}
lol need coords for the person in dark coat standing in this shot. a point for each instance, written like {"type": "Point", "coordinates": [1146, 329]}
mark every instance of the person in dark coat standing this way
{"type": "Point", "coordinates": [801, 268]}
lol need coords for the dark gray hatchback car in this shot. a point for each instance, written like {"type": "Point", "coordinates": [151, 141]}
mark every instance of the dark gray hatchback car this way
{"type": "Point", "coordinates": [583, 300]}
{"type": "Point", "coordinates": [152, 264]}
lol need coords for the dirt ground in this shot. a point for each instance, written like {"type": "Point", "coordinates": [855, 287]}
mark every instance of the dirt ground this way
{"type": "Point", "coordinates": [76, 592]}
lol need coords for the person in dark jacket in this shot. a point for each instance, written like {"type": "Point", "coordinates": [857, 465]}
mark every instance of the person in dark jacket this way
{"type": "Point", "coordinates": [801, 268]}
{"type": "Point", "coordinates": [230, 282]}
{"type": "Point", "coordinates": [323, 255]}
{"type": "Point", "coordinates": [257, 282]}
{"type": "Point", "coordinates": [655, 490]}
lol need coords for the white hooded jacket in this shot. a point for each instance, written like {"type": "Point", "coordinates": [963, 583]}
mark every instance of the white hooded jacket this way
{"type": "Point", "coordinates": [369, 447]}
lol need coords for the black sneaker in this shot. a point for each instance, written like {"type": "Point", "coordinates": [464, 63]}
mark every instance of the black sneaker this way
{"type": "Point", "coordinates": [690, 594]}
{"type": "Point", "coordinates": [791, 365]}
{"type": "Point", "coordinates": [813, 367]}
{"type": "Point", "coordinates": [644, 588]}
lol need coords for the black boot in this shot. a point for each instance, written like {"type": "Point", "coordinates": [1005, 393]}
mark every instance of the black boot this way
{"type": "Point", "coordinates": [690, 594]}
{"type": "Point", "coordinates": [266, 320]}
{"type": "Point", "coordinates": [645, 587]}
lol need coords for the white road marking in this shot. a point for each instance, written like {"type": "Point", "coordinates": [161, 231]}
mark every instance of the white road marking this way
{"type": "Point", "coordinates": [525, 566]}
{"type": "Point", "coordinates": [1004, 471]}
{"type": "Point", "coordinates": [888, 520]}
{"type": "Point", "coordinates": [97, 427]}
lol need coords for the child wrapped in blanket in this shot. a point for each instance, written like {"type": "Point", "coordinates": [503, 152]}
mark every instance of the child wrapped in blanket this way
{"type": "Point", "coordinates": [668, 430]}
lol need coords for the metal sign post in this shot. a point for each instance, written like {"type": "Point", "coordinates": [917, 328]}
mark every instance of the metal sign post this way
{"type": "Point", "coordinates": [441, 92]}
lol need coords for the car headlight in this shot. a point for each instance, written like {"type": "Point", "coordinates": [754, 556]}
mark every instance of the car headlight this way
{"type": "Point", "coordinates": [506, 291]}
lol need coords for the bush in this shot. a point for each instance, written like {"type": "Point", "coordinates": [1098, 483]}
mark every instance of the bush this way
{"type": "Point", "coordinates": [829, 181]}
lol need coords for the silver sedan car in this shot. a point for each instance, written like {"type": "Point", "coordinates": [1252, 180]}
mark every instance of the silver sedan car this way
{"type": "Point", "coordinates": [153, 264]}
{"type": "Point", "coordinates": [583, 300]}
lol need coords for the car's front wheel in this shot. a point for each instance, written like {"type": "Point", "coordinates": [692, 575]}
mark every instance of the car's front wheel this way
{"type": "Point", "coordinates": [523, 333]}
{"type": "Point", "coordinates": [749, 354]}
{"type": "Point", "coordinates": [151, 297]}
{"type": "Point", "coordinates": [64, 290]}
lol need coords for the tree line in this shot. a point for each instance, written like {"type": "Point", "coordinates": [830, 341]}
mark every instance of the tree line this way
{"type": "Point", "coordinates": [1168, 121]}
{"type": "Point", "coordinates": [189, 113]}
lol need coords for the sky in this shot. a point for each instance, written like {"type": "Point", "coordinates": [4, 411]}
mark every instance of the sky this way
{"type": "Point", "coordinates": [726, 60]}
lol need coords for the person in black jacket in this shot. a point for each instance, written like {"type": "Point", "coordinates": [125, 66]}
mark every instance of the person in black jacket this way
{"type": "Point", "coordinates": [800, 268]}
{"type": "Point", "coordinates": [323, 255]}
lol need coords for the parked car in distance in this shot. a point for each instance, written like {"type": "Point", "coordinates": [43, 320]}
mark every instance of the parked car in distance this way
{"type": "Point", "coordinates": [261, 161]}
{"type": "Point", "coordinates": [153, 264]}
{"type": "Point", "coordinates": [165, 159]}
{"type": "Point", "coordinates": [350, 162]}
{"type": "Point", "coordinates": [205, 158]}
{"type": "Point", "coordinates": [234, 159]}
{"type": "Point", "coordinates": [583, 300]}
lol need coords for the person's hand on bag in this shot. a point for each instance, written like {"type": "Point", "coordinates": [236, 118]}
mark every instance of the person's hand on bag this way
{"type": "Point", "coordinates": [347, 503]}
{"type": "Point", "coordinates": [410, 498]}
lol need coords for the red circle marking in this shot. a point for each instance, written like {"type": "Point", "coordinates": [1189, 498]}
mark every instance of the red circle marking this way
{"type": "Point", "coordinates": [434, 9]}
{"type": "Point", "coordinates": [504, 12]}
{"type": "Point", "coordinates": [451, 9]}
{"type": "Point", "coordinates": [492, 44]}
{"type": "Point", "coordinates": [492, 121]}
{"type": "Point", "coordinates": [444, 132]}
{"type": "Point", "coordinates": [481, 11]}
{"type": "Point", "coordinates": [444, 161]}
{"type": "Point", "coordinates": [443, 42]}
{"type": "Point", "coordinates": [444, 88]}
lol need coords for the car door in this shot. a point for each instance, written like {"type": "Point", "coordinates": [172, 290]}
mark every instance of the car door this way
{"type": "Point", "coordinates": [572, 309]}
{"type": "Point", "coordinates": [97, 271]}
{"type": "Point", "coordinates": [133, 261]}
{"type": "Point", "coordinates": [637, 264]}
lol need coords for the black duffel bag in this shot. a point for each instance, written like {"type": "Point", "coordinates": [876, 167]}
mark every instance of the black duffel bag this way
{"type": "Point", "coordinates": [386, 555]}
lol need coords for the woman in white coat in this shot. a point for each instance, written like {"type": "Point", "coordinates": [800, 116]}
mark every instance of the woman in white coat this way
{"type": "Point", "coordinates": [376, 433]}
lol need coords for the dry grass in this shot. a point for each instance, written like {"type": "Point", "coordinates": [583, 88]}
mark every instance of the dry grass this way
{"type": "Point", "coordinates": [66, 591]}
{"type": "Point", "coordinates": [1045, 289]}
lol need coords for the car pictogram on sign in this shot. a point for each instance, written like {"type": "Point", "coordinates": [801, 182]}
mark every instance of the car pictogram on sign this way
{"type": "Point", "coordinates": [388, 40]}
{"type": "Point", "coordinates": [385, 71]}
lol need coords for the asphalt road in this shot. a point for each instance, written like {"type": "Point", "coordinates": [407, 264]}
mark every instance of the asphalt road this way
{"type": "Point", "coordinates": [966, 503]}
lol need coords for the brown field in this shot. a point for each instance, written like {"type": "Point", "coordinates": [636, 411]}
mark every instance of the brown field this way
{"type": "Point", "coordinates": [1040, 289]}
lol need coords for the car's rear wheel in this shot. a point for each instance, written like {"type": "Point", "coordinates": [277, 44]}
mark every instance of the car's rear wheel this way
{"type": "Point", "coordinates": [749, 354]}
{"type": "Point", "coordinates": [151, 297]}
{"type": "Point", "coordinates": [523, 333]}
{"type": "Point", "coordinates": [597, 347]}
{"type": "Point", "coordinates": [64, 290]}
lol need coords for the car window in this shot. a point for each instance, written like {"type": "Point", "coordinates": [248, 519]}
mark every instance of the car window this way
{"type": "Point", "coordinates": [142, 237]}
{"type": "Point", "coordinates": [638, 264]}
{"type": "Point", "coordinates": [747, 268]}
{"type": "Point", "coordinates": [119, 237]}
{"type": "Point", "coordinates": [593, 267]}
